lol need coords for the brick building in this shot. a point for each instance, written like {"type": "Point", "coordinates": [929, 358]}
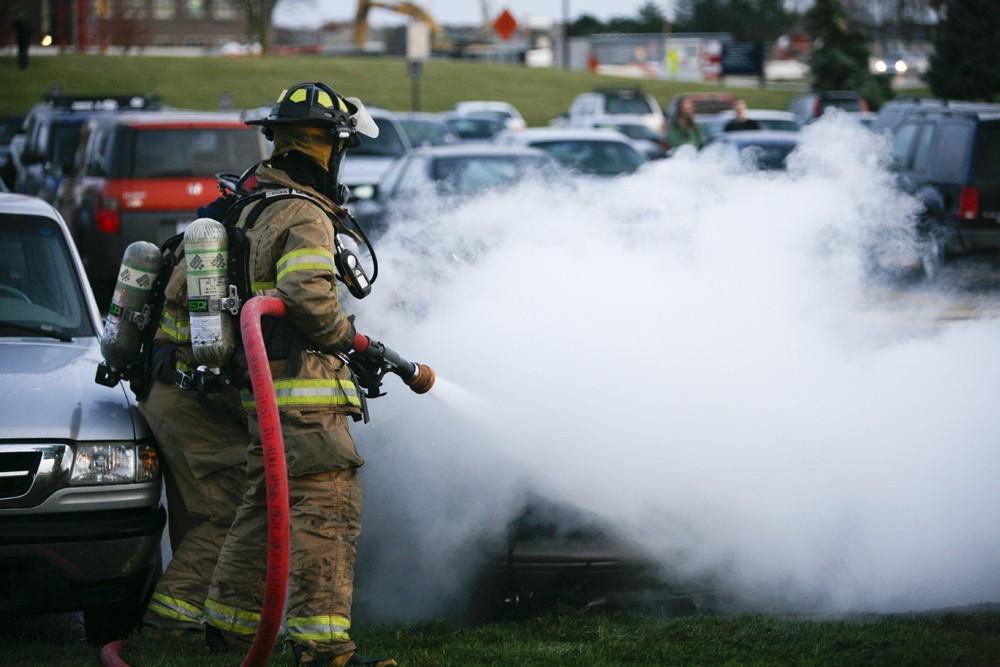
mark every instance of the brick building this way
{"type": "Point", "coordinates": [86, 24]}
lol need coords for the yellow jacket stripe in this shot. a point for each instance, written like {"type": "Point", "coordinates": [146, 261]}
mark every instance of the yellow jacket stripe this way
{"type": "Point", "coordinates": [309, 392]}
{"type": "Point", "coordinates": [262, 286]}
{"type": "Point", "coordinates": [231, 619]}
{"type": "Point", "coordinates": [318, 628]}
{"type": "Point", "coordinates": [305, 259]}
{"type": "Point", "coordinates": [178, 330]}
{"type": "Point", "coordinates": [175, 608]}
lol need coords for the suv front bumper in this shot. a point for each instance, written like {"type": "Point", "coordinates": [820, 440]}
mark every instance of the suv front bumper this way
{"type": "Point", "coordinates": [65, 562]}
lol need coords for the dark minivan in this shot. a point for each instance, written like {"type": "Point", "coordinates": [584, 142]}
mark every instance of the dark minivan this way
{"type": "Point", "coordinates": [948, 157]}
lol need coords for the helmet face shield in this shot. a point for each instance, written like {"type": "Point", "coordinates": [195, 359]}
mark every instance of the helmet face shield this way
{"type": "Point", "coordinates": [365, 123]}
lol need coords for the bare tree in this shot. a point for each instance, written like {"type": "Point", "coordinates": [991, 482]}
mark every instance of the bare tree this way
{"type": "Point", "coordinates": [259, 14]}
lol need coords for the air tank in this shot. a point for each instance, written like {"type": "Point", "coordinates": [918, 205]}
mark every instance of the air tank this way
{"type": "Point", "coordinates": [122, 336]}
{"type": "Point", "coordinates": [206, 251]}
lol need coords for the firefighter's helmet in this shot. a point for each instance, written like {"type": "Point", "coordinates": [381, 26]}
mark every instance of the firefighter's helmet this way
{"type": "Point", "coordinates": [315, 103]}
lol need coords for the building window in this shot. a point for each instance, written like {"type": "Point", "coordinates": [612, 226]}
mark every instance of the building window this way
{"type": "Point", "coordinates": [134, 9]}
{"type": "Point", "coordinates": [164, 9]}
{"type": "Point", "coordinates": [225, 10]}
{"type": "Point", "coordinates": [195, 9]}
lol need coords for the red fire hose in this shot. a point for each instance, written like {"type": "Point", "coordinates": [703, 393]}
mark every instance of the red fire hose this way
{"type": "Point", "coordinates": [275, 476]}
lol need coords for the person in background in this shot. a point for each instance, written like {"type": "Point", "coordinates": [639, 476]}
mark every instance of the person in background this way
{"type": "Point", "coordinates": [683, 129]}
{"type": "Point", "coordinates": [741, 122]}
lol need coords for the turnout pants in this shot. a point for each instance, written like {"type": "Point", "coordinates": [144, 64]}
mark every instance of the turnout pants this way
{"type": "Point", "coordinates": [325, 517]}
{"type": "Point", "coordinates": [203, 443]}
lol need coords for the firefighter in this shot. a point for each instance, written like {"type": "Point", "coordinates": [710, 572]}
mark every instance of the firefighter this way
{"type": "Point", "coordinates": [291, 256]}
{"type": "Point", "coordinates": [203, 437]}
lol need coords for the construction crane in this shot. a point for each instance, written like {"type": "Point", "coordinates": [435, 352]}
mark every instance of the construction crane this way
{"type": "Point", "coordinates": [407, 9]}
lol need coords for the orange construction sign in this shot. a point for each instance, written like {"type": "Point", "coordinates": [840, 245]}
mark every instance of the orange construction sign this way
{"type": "Point", "coordinates": [505, 25]}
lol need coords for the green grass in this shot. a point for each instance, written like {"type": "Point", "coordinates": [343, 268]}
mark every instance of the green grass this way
{"type": "Point", "coordinates": [197, 83]}
{"type": "Point", "coordinates": [579, 638]}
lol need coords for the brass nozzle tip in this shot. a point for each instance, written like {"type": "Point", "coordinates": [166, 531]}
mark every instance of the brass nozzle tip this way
{"type": "Point", "coordinates": [423, 380]}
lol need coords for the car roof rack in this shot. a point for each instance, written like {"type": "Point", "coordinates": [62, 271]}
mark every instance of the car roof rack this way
{"type": "Point", "coordinates": [103, 102]}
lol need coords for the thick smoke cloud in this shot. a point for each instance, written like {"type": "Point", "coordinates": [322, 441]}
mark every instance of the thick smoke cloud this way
{"type": "Point", "coordinates": [696, 355]}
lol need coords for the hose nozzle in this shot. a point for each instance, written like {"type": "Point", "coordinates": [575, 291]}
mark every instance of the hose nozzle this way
{"type": "Point", "coordinates": [422, 380]}
{"type": "Point", "coordinates": [375, 359]}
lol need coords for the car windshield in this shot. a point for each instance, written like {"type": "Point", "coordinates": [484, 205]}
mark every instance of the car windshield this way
{"type": "Point", "coordinates": [988, 152]}
{"type": "Point", "coordinates": [182, 152]}
{"type": "Point", "coordinates": [635, 131]}
{"type": "Point", "coordinates": [845, 103]}
{"type": "Point", "coordinates": [599, 158]}
{"type": "Point", "coordinates": [62, 147]}
{"type": "Point", "coordinates": [386, 144]}
{"type": "Point", "coordinates": [616, 104]}
{"type": "Point", "coordinates": [711, 105]}
{"type": "Point", "coordinates": [475, 127]}
{"type": "Point", "coordinates": [426, 132]}
{"type": "Point", "coordinates": [472, 174]}
{"type": "Point", "coordinates": [769, 157]}
{"type": "Point", "coordinates": [783, 125]}
{"type": "Point", "coordinates": [39, 287]}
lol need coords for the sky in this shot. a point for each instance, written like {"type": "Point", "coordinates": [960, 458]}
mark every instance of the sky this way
{"type": "Point", "coordinates": [315, 12]}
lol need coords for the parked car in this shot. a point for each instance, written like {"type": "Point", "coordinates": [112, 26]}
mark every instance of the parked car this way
{"type": "Point", "coordinates": [453, 173]}
{"type": "Point", "coordinates": [651, 143]}
{"type": "Point", "coordinates": [704, 103]}
{"type": "Point", "coordinates": [80, 511]}
{"type": "Point", "coordinates": [51, 135]}
{"type": "Point", "coordinates": [555, 553]}
{"type": "Point", "coordinates": [948, 157]}
{"type": "Point", "coordinates": [763, 149]}
{"type": "Point", "coordinates": [614, 102]}
{"type": "Point", "coordinates": [141, 177]}
{"type": "Point", "coordinates": [9, 127]}
{"type": "Point", "coordinates": [365, 164]}
{"type": "Point", "coordinates": [426, 129]}
{"type": "Point", "coordinates": [811, 106]}
{"type": "Point", "coordinates": [768, 119]}
{"type": "Point", "coordinates": [507, 112]}
{"type": "Point", "coordinates": [892, 114]}
{"type": "Point", "coordinates": [477, 127]}
{"type": "Point", "coordinates": [583, 151]}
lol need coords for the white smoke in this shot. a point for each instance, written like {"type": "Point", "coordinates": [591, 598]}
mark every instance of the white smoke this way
{"type": "Point", "coordinates": [695, 355]}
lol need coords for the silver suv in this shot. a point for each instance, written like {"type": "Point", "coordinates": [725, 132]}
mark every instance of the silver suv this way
{"type": "Point", "coordinates": [80, 510]}
{"type": "Point", "coordinates": [613, 102]}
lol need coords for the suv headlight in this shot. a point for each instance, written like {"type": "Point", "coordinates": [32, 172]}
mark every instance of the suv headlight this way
{"type": "Point", "coordinates": [114, 463]}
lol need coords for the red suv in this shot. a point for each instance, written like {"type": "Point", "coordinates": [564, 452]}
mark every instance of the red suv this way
{"type": "Point", "coordinates": [143, 176]}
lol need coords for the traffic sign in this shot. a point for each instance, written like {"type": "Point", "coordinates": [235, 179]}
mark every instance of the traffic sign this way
{"type": "Point", "coordinates": [505, 25]}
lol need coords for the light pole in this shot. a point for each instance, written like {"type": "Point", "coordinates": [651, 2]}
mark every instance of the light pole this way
{"type": "Point", "coordinates": [565, 34]}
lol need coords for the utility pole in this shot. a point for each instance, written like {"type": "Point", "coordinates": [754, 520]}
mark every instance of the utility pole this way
{"type": "Point", "coordinates": [565, 33]}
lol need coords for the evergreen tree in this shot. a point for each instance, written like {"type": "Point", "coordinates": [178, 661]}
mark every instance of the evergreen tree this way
{"type": "Point", "coordinates": [839, 58]}
{"type": "Point", "coordinates": [752, 20]}
{"type": "Point", "coordinates": [964, 62]}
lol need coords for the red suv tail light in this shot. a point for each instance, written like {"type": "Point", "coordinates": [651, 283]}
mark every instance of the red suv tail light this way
{"type": "Point", "coordinates": [968, 203]}
{"type": "Point", "coordinates": [108, 217]}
